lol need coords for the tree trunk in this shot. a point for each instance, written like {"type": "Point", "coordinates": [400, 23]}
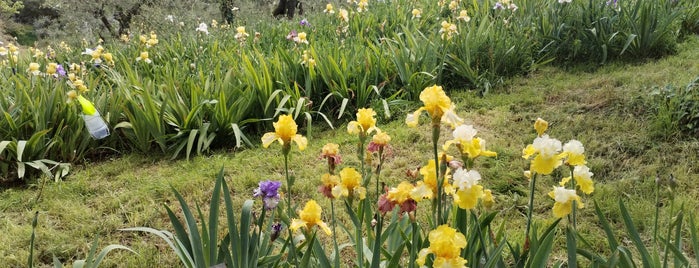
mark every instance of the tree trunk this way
{"type": "Point", "coordinates": [288, 8]}
{"type": "Point", "coordinates": [227, 11]}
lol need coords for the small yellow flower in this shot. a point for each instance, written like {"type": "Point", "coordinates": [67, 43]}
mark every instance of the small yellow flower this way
{"type": "Point", "coordinates": [488, 199]}
{"type": "Point", "coordinates": [448, 30]}
{"type": "Point", "coordinates": [468, 193]}
{"type": "Point", "coordinates": [125, 38]}
{"type": "Point", "coordinates": [143, 38]}
{"type": "Point", "coordinates": [429, 178]}
{"type": "Point", "coordinates": [285, 132]}
{"type": "Point", "coordinates": [343, 15]}
{"type": "Point", "coordinates": [446, 244]}
{"type": "Point", "coordinates": [546, 152]}
{"type": "Point", "coordinates": [438, 105]}
{"type": "Point", "coordinates": [330, 149]}
{"type": "Point", "coordinates": [144, 57]}
{"type": "Point", "coordinates": [564, 201]}
{"type": "Point", "coordinates": [365, 124]}
{"type": "Point", "coordinates": [301, 38]}
{"type": "Point", "coordinates": [400, 193]}
{"type": "Point", "coordinates": [583, 179]}
{"type": "Point", "coordinates": [416, 13]}
{"type": "Point", "coordinates": [468, 144]}
{"type": "Point", "coordinates": [541, 125]}
{"type": "Point", "coordinates": [463, 16]}
{"type": "Point", "coordinates": [329, 9]}
{"type": "Point", "coordinates": [3, 51]}
{"type": "Point", "coordinates": [109, 58]}
{"type": "Point", "coordinates": [350, 185]}
{"type": "Point", "coordinates": [240, 34]}
{"type": "Point", "coordinates": [362, 5]}
{"type": "Point", "coordinates": [72, 95]}
{"type": "Point", "coordinates": [574, 153]}
{"type": "Point", "coordinates": [328, 182]}
{"type": "Point", "coordinates": [310, 216]}
{"type": "Point", "coordinates": [307, 59]}
{"type": "Point", "coordinates": [34, 68]}
{"type": "Point", "coordinates": [381, 138]}
{"type": "Point", "coordinates": [453, 5]}
{"type": "Point", "coordinates": [51, 68]}
{"type": "Point", "coordinates": [153, 40]}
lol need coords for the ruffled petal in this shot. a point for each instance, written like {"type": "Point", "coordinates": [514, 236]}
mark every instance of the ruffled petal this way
{"type": "Point", "coordinates": [354, 128]}
{"type": "Point", "coordinates": [324, 226]}
{"type": "Point", "coordinates": [412, 119]}
{"type": "Point", "coordinates": [269, 138]}
{"type": "Point", "coordinates": [296, 224]}
{"type": "Point", "coordinates": [301, 141]}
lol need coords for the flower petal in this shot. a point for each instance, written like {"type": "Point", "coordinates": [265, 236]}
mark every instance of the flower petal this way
{"type": "Point", "coordinates": [301, 141]}
{"type": "Point", "coordinates": [268, 139]}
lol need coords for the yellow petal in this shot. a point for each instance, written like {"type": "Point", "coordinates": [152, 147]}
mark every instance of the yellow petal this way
{"type": "Point", "coordinates": [413, 118]}
{"type": "Point", "coordinates": [586, 185]}
{"type": "Point", "coordinates": [301, 141]}
{"type": "Point", "coordinates": [576, 159]}
{"type": "Point", "coordinates": [268, 139]}
{"type": "Point", "coordinates": [561, 210]}
{"type": "Point", "coordinates": [324, 227]}
{"type": "Point", "coordinates": [564, 181]}
{"type": "Point", "coordinates": [528, 151]}
{"type": "Point", "coordinates": [353, 128]}
{"type": "Point", "coordinates": [296, 224]}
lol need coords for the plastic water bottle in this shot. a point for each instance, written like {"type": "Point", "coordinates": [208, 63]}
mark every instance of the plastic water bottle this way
{"type": "Point", "coordinates": [96, 126]}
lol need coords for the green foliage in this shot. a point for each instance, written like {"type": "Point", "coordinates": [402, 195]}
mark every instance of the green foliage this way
{"type": "Point", "coordinates": [198, 245]}
{"type": "Point", "coordinates": [677, 109]}
{"type": "Point", "coordinates": [10, 6]}
{"type": "Point", "coordinates": [91, 261]}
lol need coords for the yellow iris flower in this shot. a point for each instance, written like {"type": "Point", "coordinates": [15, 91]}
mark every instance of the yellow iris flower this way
{"type": "Point", "coordinates": [438, 105]}
{"type": "Point", "coordinates": [583, 179]}
{"type": "Point", "coordinates": [310, 216]}
{"type": "Point", "coordinates": [381, 138]}
{"type": "Point", "coordinates": [488, 199]}
{"type": "Point", "coordinates": [564, 201]}
{"type": "Point", "coordinates": [350, 184]}
{"type": "Point", "coordinates": [430, 180]}
{"type": "Point", "coordinates": [284, 132]}
{"type": "Point", "coordinates": [446, 244]}
{"type": "Point", "coordinates": [365, 124]}
{"type": "Point", "coordinates": [468, 144]}
{"type": "Point", "coordinates": [574, 153]}
{"type": "Point", "coordinates": [546, 152]}
{"type": "Point", "coordinates": [540, 125]}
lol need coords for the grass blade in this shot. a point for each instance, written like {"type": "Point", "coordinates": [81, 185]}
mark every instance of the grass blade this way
{"type": "Point", "coordinates": [633, 233]}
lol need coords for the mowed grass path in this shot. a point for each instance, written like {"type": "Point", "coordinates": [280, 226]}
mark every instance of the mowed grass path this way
{"type": "Point", "coordinates": [610, 110]}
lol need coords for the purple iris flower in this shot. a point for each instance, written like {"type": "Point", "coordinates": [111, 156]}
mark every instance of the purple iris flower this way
{"type": "Point", "coordinates": [60, 71]}
{"type": "Point", "coordinates": [305, 22]}
{"type": "Point", "coordinates": [269, 191]}
{"type": "Point", "coordinates": [276, 229]}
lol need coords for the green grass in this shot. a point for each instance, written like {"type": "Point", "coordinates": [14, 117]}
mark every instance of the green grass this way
{"type": "Point", "coordinates": [608, 109]}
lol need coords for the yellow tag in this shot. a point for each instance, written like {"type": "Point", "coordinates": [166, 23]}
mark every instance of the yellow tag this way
{"type": "Point", "coordinates": [87, 106]}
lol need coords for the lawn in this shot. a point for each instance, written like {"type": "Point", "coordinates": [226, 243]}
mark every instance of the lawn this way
{"type": "Point", "coordinates": [609, 108]}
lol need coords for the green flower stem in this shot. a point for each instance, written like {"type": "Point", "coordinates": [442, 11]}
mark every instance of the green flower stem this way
{"type": "Point", "coordinates": [440, 181]}
{"type": "Point", "coordinates": [532, 187]}
{"type": "Point", "coordinates": [413, 245]}
{"type": "Point", "coordinates": [575, 205]}
{"type": "Point", "coordinates": [290, 212]}
{"type": "Point", "coordinates": [657, 211]}
{"type": "Point", "coordinates": [378, 174]}
{"type": "Point", "coordinates": [337, 250]}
